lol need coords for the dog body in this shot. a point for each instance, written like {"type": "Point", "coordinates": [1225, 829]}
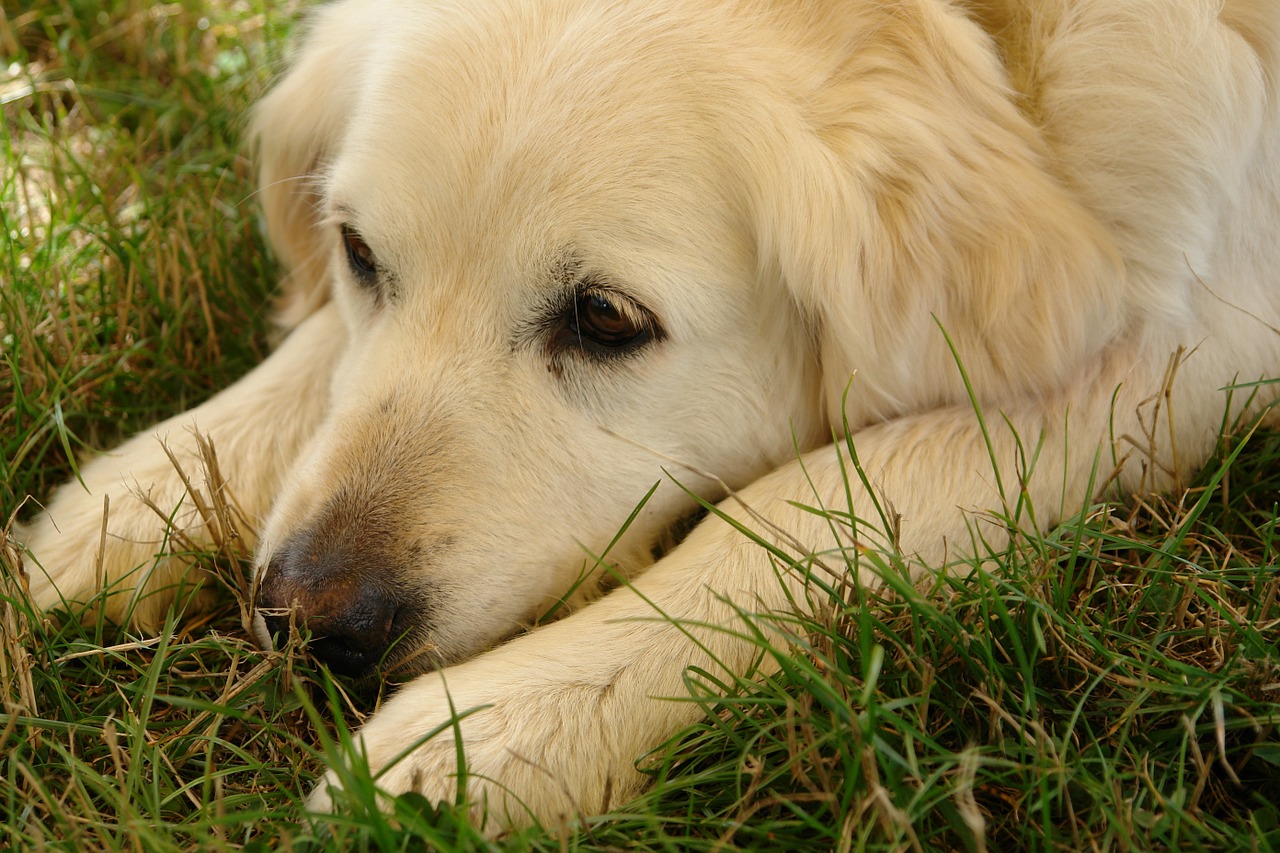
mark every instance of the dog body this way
{"type": "Point", "coordinates": [543, 251]}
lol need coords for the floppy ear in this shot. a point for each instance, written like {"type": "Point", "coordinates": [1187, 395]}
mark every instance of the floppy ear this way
{"type": "Point", "coordinates": [916, 195]}
{"type": "Point", "coordinates": [294, 129]}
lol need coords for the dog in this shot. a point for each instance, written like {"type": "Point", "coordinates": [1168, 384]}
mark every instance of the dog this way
{"type": "Point", "coordinates": [545, 254]}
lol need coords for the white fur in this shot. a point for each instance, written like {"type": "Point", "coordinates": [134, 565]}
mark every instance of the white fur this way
{"type": "Point", "coordinates": [802, 192]}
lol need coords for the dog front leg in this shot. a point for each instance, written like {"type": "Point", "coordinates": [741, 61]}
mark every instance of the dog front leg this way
{"type": "Point", "coordinates": [121, 526]}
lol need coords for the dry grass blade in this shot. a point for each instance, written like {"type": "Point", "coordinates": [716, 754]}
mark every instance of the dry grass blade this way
{"type": "Point", "coordinates": [16, 661]}
{"type": "Point", "coordinates": [223, 529]}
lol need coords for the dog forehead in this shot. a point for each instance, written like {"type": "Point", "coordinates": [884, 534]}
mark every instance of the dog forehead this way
{"type": "Point", "coordinates": [572, 109]}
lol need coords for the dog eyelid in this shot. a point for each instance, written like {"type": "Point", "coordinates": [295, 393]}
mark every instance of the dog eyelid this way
{"type": "Point", "coordinates": [360, 257]}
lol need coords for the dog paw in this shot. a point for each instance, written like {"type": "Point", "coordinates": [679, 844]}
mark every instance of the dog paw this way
{"type": "Point", "coordinates": [533, 749]}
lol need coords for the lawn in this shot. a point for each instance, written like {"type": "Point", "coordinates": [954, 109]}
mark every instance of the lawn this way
{"type": "Point", "coordinates": [1114, 685]}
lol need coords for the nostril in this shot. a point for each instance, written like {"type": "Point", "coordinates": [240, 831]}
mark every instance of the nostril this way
{"type": "Point", "coordinates": [353, 641]}
{"type": "Point", "coordinates": [348, 619]}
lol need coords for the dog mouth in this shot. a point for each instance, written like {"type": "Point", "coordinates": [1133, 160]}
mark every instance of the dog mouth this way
{"type": "Point", "coordinates": [350, 649]}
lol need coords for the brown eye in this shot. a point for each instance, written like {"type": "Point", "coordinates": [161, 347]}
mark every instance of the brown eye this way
{"type": "Point", "coordinates": [605, 323]}
{"type": "Point", "coordinates": [600, 319]}
{"type": "Point", "coordinates": [359, 256]}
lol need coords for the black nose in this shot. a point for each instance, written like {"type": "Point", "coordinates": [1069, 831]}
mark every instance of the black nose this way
{"type": "Point", "coordinates": [341, 600]}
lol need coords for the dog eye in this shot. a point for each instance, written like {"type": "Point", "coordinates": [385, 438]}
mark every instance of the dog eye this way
{"type": "Point", "coordinates": [607, 324]}
{"type": "Point", "coordinates": [600, 320]}
{"type": "Point", "coordinates": [359, 256]}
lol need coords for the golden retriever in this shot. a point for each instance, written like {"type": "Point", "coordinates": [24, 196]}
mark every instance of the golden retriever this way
{"type": "Point", "coordinates": [542, 251]}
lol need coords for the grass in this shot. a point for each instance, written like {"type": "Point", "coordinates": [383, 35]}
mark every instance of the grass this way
{"type": "Point", "coordinates": [1115, 686]}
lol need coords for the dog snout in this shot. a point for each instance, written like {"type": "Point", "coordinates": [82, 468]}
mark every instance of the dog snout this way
{"type": "Point", "coordinates": [349, 614]}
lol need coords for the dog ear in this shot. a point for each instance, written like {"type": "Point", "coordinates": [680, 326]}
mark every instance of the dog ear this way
{"type": "Point", "coordinates": [916, 195]}
{"type": "Point", "coordinates": [294, 129]}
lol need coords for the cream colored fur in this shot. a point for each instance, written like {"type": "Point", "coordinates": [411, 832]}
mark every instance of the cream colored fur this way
{"type": "Point", "coordinates": [805, 194]}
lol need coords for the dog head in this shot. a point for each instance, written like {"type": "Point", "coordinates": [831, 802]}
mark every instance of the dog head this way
{"type": "Point", "coordinates": [585, 249]}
